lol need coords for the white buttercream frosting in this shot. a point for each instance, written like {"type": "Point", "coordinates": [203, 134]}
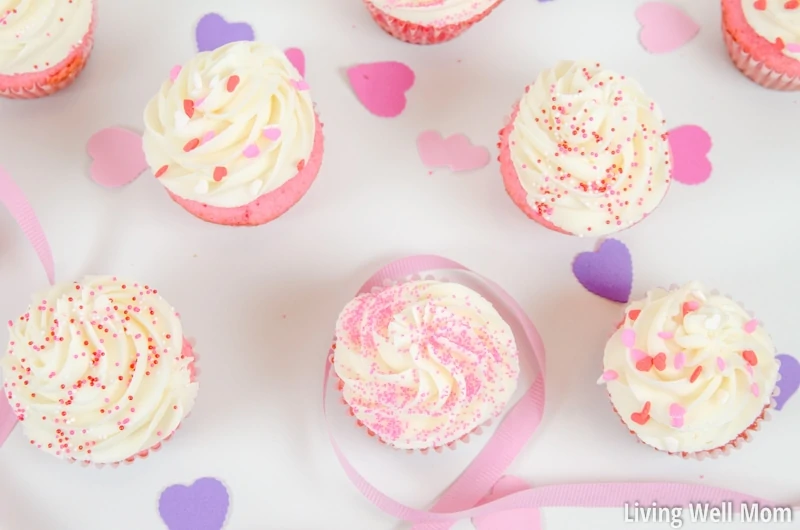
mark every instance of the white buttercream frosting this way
{"type": "Point", "coordinates": [689, 370]}
{"type": "Point", "coordinates": [590, 149]}
{"type": "Point", "coordinates": [435, 13]}
{"type": "Point", "coordinates": [38, 34]}
{"type": "Point", "coordinates": [425, 362]}
{"type": "Point", "coordinates": [776, 21]}
{"type": "Point", "coordinates": [95, 370]}
{"type": "Point", "coordinates": [230, 125]}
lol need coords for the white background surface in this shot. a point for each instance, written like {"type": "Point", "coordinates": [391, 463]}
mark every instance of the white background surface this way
{"type": "Point", "coordinates": [262, 302]}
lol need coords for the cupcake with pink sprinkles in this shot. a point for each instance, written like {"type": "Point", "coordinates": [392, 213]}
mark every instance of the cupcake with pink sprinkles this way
{"type": "Point", "coordinates": [99, 371]}
{"type": "Point", "coordinates": [424, 364]}
{"type": "Point", "coordinates": [585, 151]}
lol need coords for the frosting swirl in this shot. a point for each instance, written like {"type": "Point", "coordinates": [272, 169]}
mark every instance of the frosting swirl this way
{"type": "Point", "coordinates": [590, 149]}
{"type": "Point", "coordinates": [424, 363]}
{"type": "Point", "coordinates": [778, 21]}
{"type": "Point", "coordinates": [96, 370]}
{"type": "Point", "coordinates": [689, 370]}
{"type": "Point", "coordinates": [435, 13]}
{"type": "Point", "coordinates": [38, 34]}
{"type": "Point", "coordinates": [230, 125]}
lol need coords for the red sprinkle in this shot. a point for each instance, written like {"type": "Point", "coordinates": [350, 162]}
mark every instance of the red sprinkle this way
{"type": "Point", "coordinates": [220, 173]}
{"type": "Point", "coordinates": [633, 314]}
{"type": "Point", "coordinates": [161, 170]}
{"type": "Point", "coordinates": [696, 374]}
{"type": "Point", "coordinates": [750, 357]}
{"type": "Point", "coordinates": [233, 81]}
{"type": "Point", "coordinates": [188, 107]}
{"type": "Point", "coordinates": [191, 144]}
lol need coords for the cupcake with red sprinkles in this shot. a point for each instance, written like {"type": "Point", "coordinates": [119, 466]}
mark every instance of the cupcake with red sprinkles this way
{"type": "Point", "coordinates": [99, 371]}
{"type": "Point", "coordinates": [428, 21]}
{"type": "Point", "coordinates": [233, 135]}
{"type": "Point", "coordinates": [763, 39]}
{"type": "Point", "coordinates": [424, 363]}
{"type": "Point", "coordinates": [690, 372]}
{"type": "Point", "coordinates": [585, 151]}
{"type": "Point", "coordinates": [43, 45]}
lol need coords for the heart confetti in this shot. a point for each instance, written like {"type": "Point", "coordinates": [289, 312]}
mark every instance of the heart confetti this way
{"type": "Point", "coordinates": [690, 145]}
{"type": "Point", "coordinates": [381, 87]}
{"type": "Point", "coordinates": [455, 152]}
{"type": "Point", "coordinates": [214, 31]}
{"type": "Point", "coordinates": [607, 272]}
{"type": "Point", "coordinates": [201, 506]}
{"type": "Point", "coordinates": [790, 379]}
{"type": "Point", "coordinates": [118, 158]}
{"type": "Point", "coordinates": [665, 27]}
{"type": "Point", "coordinates": [298, 59]}
{"type": "Point", "coordinates": [510, 519]}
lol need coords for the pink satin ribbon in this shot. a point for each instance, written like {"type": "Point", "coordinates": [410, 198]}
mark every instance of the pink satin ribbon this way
{"type": "Point", "coordinates": [460, 500]}
{"type": "Point", "coordinates": [20, 209]}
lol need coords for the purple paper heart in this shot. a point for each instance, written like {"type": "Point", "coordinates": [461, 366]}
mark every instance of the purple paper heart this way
{"type": "Point", "coordinates": [790, 379]}
{"type": "Point", "coordinates": [607, 272]}
{"type": "Point", "coordinates": [201, 506]}
{"type": "Point", "coordinates": [214, 31]}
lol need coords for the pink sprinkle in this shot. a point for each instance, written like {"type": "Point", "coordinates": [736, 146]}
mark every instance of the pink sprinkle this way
{"type": "Point", "coordinates": [628, 338]}
{"type": "Point", "coordinates": [199, 102]}
{"type": "Point", "coordinates": [692, 305]}
{"type": "Point", "coordinates": [637, 355]}
{"type": "Point", "coordinates": [272, 133]}
{"type": "Point", "coordinates": [676, 410]}
{"type": "Point", "coordinates": [677, 422]}
{"type": "Point", "coordinates": [666, 335]}
{"type": "Point", "coordinates": [126, 421]}
{"type": "Point", "coordinates": [793, 47]}
{"type": "Point", "coordinates": [721, 364]}
{"type": "Point", "coordinates": [680, 360]}
{"type": "Point", "coordinates": [208, 136]}
{"type": "Point", "coordinates": [299, 85]}
{"type": "Point", "coordinates": [610, 375]}
{"type": "Point", "coordinates": [749, 369]}
{"type": "Point", "coordinates": [251, 151]}
{"type": "Point", "coordinates": [173, 74]}
{"type": "Point", "coordinates": [750, 326]}
{"type": "Point", "coordinates": [755, 390]}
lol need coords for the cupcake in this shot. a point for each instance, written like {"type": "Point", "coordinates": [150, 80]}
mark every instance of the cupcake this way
{"type": "Point", "coordinates": [690, 372]}
{"type": "Point", "coordinates": [422, 364]}
{"type": "Point", "coordinates": [585, 151]}
{"type": "Point", "coordinates": [99, 371]}
{"type": "Point", "coordinates": [428, 21]}
{"type": "Point", "coordinates": [43, 45]}
{"type": "Point", "coordinates": [233, 135]}
{"type": "Point", "coordinates": [763, 39]}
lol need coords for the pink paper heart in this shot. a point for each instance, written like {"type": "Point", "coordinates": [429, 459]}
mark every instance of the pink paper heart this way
{"type": "Point", "coordinates": [117, 156]}
{"type": "Point", "coordinates": [690, 146]}
{"type": "Point", "coordinates": [665, 27]}
{"type": "Point", "coordinates": [455, 152]}
{"type": "Point", "coordinates": [509, 520]}
{"type": "Point", "coordinates": [298, 59]}
{"type": "Point", "coordinates": [381, 87]}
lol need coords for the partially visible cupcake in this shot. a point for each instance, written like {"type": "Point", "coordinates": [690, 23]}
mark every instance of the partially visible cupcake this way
{"type": "Point", "coordinates": [428, 21]}
{"type": "Point", "coordinates": [585, 151]}
{"type": "Point", "coordinates": [43, 45]}
{"type": "Point", "coordinates": [690, 372]}
{"type": "Point", "coordinates": [233, 135]}
{"type": "Point", "coordinates": [99, 371]}
{"type": "Point", "coordinates": [424, 363]}
{"type": "Point", "coordinates": [763, 39]}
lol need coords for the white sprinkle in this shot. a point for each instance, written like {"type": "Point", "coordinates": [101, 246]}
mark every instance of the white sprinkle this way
{"type": "Point", "coordinates": [202, 187]}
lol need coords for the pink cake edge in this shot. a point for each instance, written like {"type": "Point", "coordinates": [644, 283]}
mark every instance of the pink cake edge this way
{"type": "Point", "coordinates": [269, 206]}
{"type": "Point", "coordinates": [421, 34]}
{"type": "Point", "coordinates": [32, 85]}
{"type": "Point", "coordinates": [757, 58]}
{"type": "Point", "coordinates": [188, 352]}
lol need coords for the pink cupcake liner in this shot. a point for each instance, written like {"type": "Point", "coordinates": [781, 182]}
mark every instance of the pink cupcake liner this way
{"type": "Point", "coordinates": [465, 439]}
{"type": "Point", "coordinates": [744, 437]}
{"type": "Point", "coordinates": [419, 34]}
{"type": "Point", "coordinates": [269, 206]}
{"type": "Point", "coordinates": [757, 58]}
{"type": "Point", "coordinates": [47, 82]}
{"type": "Point", "coordinates": [187, 351]}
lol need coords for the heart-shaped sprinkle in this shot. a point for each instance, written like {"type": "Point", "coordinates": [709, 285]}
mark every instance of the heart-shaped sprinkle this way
{"type": "Point", "coordinates": [233, 82]}
{"type": "Point", "coordinates": [755, 389]}
{"type": "Point", "coordinates": [633, 314]}
{"type": "Point", "coordinates": [676, 410]}
{"type": "Point", "coordinates": [642, 417]}
{"type": "Point", "coordinates": [761, 5]}
{"type": "Point", "coordinates": [660, 361]}
{"type": "Point", "coordinates": [721, 364]}
{"type": "Point", "coordinates": [750, 357]}
{"type": "Point", "coordinates": [628, 338]}
{"type": "Point", "coordinates": [188, 107]}
{"type": "Point", "coordinates": [644, 365]}
{"type": "Point", "coordinates": [175, 72]}
{"type": "Point", "coordinates": [191, 144]}
{"type": "Point", "coordinates": [680, 360]}
{"type": "Point", "coordinates": [792, 4]}
{"type": "Point", "coordinates": [161, 170]}
{"type": "Point", "coordinates": [696, 374]}
{"type": "Point", "coordinates": [637, 355]}
{"type": "Point", "coordinates": [220, 173]}
{"type": "Point", "coordinates": [666, 335]}
{"type": "Point", "coordinates": [251, 151]}
{"type": "Point", "coordinates": [272, 133]}
{"type": "Point", "coordinates": [750, 326]}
